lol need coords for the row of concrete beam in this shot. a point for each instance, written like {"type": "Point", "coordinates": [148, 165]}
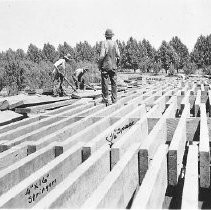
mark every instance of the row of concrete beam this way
{"type": "Point", "coordinates": [92, 156]}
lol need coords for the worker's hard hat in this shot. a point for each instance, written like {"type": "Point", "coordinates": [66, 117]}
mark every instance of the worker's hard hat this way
{"type": "Point", "coordinates": [109, 33]}
{"type": "Point", "coordinates": [68, 56]}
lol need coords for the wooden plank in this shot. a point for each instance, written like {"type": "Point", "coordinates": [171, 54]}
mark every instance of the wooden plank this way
{"type": "Point", "coordinates": [39, 108]}
{"type": "Point", "coordinates": [177, 148]}
{"type": "Point", "coordinates": [7, 117]}
{"type": "Point", "coordinates": [15, 103]}
{"type": "Point", "coordinates": [87, 94]}
{"type": "Point", "coordinates": [204, 150]}
{"type": "Point", "coordinates": [80, 184]}
{"type": "Point", "coordinates": [151, 193]}
{"type": "Point", "coordinates": [32, 189]}
{"type": "Point", "coordinates": [118, 187]}
{"type": "Point", "coordinates": [4, 105]}
{"type": "Point", "coordinates": [190, 195]}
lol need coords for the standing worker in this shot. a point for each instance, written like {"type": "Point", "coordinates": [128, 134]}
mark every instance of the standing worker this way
{"type": "Point", "coordinates": [78, 77]}
{"type": "Point", "coordinates": [59, 73]}
{"type": "Point", "coordinates": [108, 63]}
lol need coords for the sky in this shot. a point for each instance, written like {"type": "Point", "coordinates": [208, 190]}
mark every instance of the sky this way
{"type": "Point", "coordinates": [41, 21]}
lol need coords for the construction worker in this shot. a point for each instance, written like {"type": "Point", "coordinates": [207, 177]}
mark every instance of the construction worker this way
{"type": "Point", "coordinates": [78, 77]}
{"type": "Point", "coordinates": [108, 63]}
{"type": "Point", "coordinates": [59, 73]}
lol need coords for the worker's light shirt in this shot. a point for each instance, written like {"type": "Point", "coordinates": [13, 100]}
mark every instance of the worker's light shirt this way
{"type": "Point", "coordinates": [105, 45]}
{"type": "Point", "coordinates": [78, 72]}
{"type": "Point", "coordinates": [60, 63]}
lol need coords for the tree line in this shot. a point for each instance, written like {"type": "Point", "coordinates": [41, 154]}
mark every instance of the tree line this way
{"type": "Point", "coordinates": [33, 68]}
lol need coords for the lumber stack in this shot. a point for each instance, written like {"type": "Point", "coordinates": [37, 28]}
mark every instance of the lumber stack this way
{"type": "Point", "coordinates": [141, 152]}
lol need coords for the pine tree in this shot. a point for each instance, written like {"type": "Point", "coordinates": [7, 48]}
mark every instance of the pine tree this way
{"type": "Point", "coordinates": [181, 50]}
{"type": "Point", "coordinates": [49, 53]}
{"type": "Point", "coordinates": [34, 54]}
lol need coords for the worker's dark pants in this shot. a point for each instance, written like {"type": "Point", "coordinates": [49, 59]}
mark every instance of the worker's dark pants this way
{"type": "Point", "coordinates": [59, 79]}
{"type": "Point", "coordinates": [79, 83]}
{"type": "Point", "coordinates": [105, 76]}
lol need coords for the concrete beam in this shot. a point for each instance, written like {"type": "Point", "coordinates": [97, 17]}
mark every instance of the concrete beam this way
{"type": "Point", "coordinates": [18, 171]}
{"type": "Point", "coordinates": [197, 104]}
{"type": "Point", "coordinates": [118, 187]}
{"type": "Point", "coordinates": [113, 133]}
{"type": "Point", "coordinates": [12, 155]}
{"type": "Point", "coordinates": [171, 124]}
{"type": "Point", "coordinates": [173, 98]}
{"type": "Point", "coordinates": [74, 190]}
{"type": "Point", "coordinates": [204, 150]}
{"type": "Point", "coordinates": [209, 95]}
{"type": "Point", "coordinates": [193, 89]}
{"type": "Point", "coordinates": [40, 132]}
{"type": "Point", "coordinates": [11, 134]}
{"type": "Point", "coordinates": [204, 95]}
{"type": "Point", "coordinates": [185, 100]}
{"type": "Point", "coordinates": [70, 110]}
{"type": "Point", "coordinates": [150, 96]}
{"type": "Point", "coordinates": [190, 195]}
{"type": "Point", "coordinates": [32, 189]}
{"type": "Point", "coordinates": [177, 148]}
{"type": "Point", "coordinates": [157, 136]}
{"type": "Point", "coordinates": [12, 126]}
{"type": "Point", "coordinates": [66, 134]}
{"type": "Point", "coordinates": [137, 134]}
{"type": "Point", "coordinates": [151, 193]}
{"type": "Point", "coordinates": [192, 129]}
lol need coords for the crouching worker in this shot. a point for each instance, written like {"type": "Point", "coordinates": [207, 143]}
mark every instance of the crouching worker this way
{"type": "Point", "coordinates": [78, 78]}
{"type": "Point", "coordinates": [59, 73]}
